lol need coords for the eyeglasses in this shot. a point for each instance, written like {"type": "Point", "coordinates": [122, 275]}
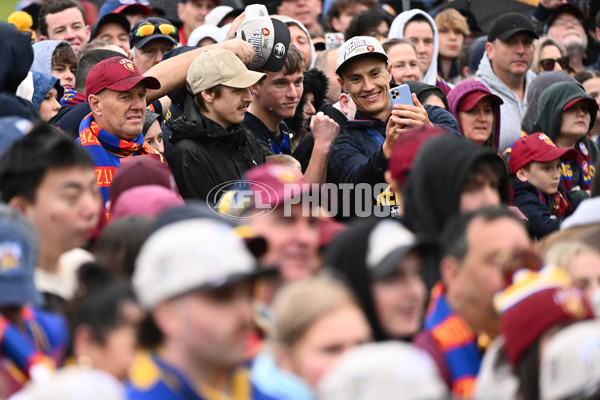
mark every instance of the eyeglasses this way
{"type": "Point", "coordinates": [548, 63]}
{"type": "Point", "coordinates": [149, 29]}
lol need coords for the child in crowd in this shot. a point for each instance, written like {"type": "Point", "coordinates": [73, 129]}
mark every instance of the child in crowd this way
{"type": "Point", "coordinates": [535, 162]}
{"type": "Point", "coordinates": [55, 58]}
{"type": "Point", "coordinates": [567, 114]}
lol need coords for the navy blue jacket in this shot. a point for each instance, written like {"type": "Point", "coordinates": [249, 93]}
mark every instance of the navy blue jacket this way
{"type": "Point", "coordinates": [539, 215]}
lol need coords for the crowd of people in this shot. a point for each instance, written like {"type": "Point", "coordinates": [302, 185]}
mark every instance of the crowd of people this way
{"type": "Point", "coordinates": [302, 199]}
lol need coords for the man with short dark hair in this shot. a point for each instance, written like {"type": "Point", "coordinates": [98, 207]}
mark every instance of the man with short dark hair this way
{"type": "Point", "coordinates": [149, 40]}
{"type": "Point", "coordinates": [461, 317]}
{"type": "Point", "coordinates": [210, 146]}
{"type": "Point", "coordinates": [505, 70]}
{"type": "Point", "coordinates": [64, 20]}
{"type": "Point", "coordinates": [51, 180]}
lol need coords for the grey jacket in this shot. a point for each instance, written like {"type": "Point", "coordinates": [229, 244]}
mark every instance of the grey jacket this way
{"type": "Point", "coordinates": [513, 109]}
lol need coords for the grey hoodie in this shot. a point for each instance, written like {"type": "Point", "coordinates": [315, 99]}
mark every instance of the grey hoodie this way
{"type": "Point", "coordinates": [513, 109]}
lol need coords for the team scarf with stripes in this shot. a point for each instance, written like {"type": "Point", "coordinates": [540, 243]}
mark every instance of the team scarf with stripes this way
{"type": "Point", "coordinates": [456, 341]}
{"type": "Point", "coordinates": [108, 151]}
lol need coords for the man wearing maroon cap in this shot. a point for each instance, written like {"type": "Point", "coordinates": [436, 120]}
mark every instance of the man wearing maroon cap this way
{"type": "Point", "coordinates": [113, 130]}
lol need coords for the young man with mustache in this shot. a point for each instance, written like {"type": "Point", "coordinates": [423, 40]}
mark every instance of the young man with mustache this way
{"type": "Point", "coordinates": [210, 146]}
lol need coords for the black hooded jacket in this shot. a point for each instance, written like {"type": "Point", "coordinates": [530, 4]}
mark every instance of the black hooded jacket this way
{"type": "Point", "coordinates": [348, 254]}
{"type": "Point", "coordinates": [204, 154]}
{"type": "Point", "coordinates": [16, 59]}
{"type": "Point", "coordinates": [434, 186]}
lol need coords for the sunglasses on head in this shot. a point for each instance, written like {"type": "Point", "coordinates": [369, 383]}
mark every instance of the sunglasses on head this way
{"type": "Point", "coordinates": [149, 29]}
{"type": "Point", "coordinates": [548, 63]}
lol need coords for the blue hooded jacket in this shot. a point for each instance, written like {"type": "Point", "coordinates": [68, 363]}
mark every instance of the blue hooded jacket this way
{"type": "Point", "coordinates": [35, 87]}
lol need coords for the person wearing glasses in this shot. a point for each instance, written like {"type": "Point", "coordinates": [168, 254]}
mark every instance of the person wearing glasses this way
{"type": "Point", "coordinates": [150, 39]}
{"type": "Point", "coordinates": [549, 56]}
{"type": "Point", "coordinates": [565, 25]}
{"type": "Point", "coordinates": [505, 70]}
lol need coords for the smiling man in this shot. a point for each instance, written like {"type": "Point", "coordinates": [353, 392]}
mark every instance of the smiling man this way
{"type": "Point", "coordinates": [361, 155]}
{"type": "Point", "coordinates": [113, 130]}
{"type": "Point", "coordinates": [64, 20]}
{"type": "Point", "coordinates": [210, 146]}
{"type": "Point", "coordinates": [505, 70]}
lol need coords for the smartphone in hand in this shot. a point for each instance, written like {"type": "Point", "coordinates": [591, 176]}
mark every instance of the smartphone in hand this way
{"type": "Point", "coordinates": [401, 95]}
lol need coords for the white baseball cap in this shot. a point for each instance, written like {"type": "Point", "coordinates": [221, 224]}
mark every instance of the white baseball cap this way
{"type": "Point", "coordinates": [188, 255]}
{"type": "Point", "coordinates": [358, 47]}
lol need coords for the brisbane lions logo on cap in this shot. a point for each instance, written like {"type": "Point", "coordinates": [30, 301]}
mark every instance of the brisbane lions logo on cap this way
{"type": "Point", "coordinates": [266, 32]}
{"type": "Point", "coordinates": [128, 64]}
{"type": "Point", "coordinates": [370, 48]}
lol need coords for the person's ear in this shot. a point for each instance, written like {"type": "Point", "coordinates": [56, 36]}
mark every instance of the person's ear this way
{"type": "Point", "coordinates": [522, 175]}
{"type": "Point", "coordinates": [19, 203]}
{"type": "Point", "coordinates": [95, 104]}
{"type": "Point", "coordinates": [389, 69]}
{"type": "Point", "coordinates": [254, 90]}
{"type": "Point", "coordinates": [489, 49]}
{"type": "Point", "coordinates": [42, 38]}
{"type": "Point", "coordinates": [83, 339]}
{"type": "Point", "coordinates": [88, 32]}
{"type": "Point", "coordinates": [283, 358]}
{"type": "Point", "coordinates": [208, 96]}
{"type": "Point", "coordinates": [335, 24]}
{"type": "Point", "coordinates": [449, 269]}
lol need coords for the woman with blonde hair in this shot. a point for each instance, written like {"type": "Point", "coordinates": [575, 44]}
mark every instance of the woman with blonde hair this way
{"type": "Point", "coordinates": [549, 55]}
{"type": "Point", "coordinates": [317, 319]}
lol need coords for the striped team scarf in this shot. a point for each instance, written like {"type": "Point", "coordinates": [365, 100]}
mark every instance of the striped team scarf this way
{"type": "Point", "coordinates": [586, 169]}
{"type": "Point", "coordinates": [557, 203]}
{"type": "Point", "coordinates": [72, 97]}
{"type": "Point", "coordinates": [108, 151]}
{"type": "Point", "coordinates": [456, 341]}
{"type": "Point", "coordinates": [24, 350]}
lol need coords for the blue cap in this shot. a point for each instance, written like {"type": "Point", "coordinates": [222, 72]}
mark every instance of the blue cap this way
{"type": "Point", "coordinates": [19, 244]}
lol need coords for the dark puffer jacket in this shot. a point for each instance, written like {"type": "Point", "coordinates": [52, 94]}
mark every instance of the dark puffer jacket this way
{"type": "Point", "coordinates": [204, 154]}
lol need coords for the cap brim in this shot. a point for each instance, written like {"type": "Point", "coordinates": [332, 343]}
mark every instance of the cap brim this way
{"type": "Point", "coordinates": [358, 57]}
{"type": "Point", "coordinates": [280, 47]}
{"type": "Point", "coordinates": [18, 293]}
{"type": "Point", "coordinates": [591, 102]}
{"type": "Point", "coordinates": [557, 153]}
{"type": "Point", "coordinates": [504, 36]}
{"type": "Point", "coordinates": [142, 42]}
{"type": "Point", "coordinates": [472, 101]}
{"type": "Point", "coordinates": [145, 10]}
{"type": "Point", "coordinates": [245, 80]}
{"type": "Point", "coordinates": [111, 18]}
{"type": "Point", "coordinates": [149, 82]}
{"type": "Point", "coordinates": [389, 264]}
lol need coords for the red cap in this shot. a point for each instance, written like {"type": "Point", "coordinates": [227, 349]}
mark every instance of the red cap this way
{"type": "Point", "coordinates": [406, 148]}
{"type": "Point", "coordinates": [591, 102]}
{"type": "Point", "coordinates": [275, 183]}
{"type": "Point", "coordinates": [537, 147]}
{"type": "Point", "coordinates": [470, 100]}
{"type": "Point", "coordinates": [145, 10]}
{"type": "Point", "coordinates": [117, 73]}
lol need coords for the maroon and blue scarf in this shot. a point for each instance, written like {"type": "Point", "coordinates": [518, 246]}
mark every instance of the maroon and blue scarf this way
{"type": "Point", "coordinates": [72, 97]}
{"type": "Point", "coordinates": [558, 204]}
{"type": "Point", "coordinates": [456, 341]}
{"type": "Point", "coordinates": [108, 151]}
{"type": "Point", "coordinates": [585, 166]}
